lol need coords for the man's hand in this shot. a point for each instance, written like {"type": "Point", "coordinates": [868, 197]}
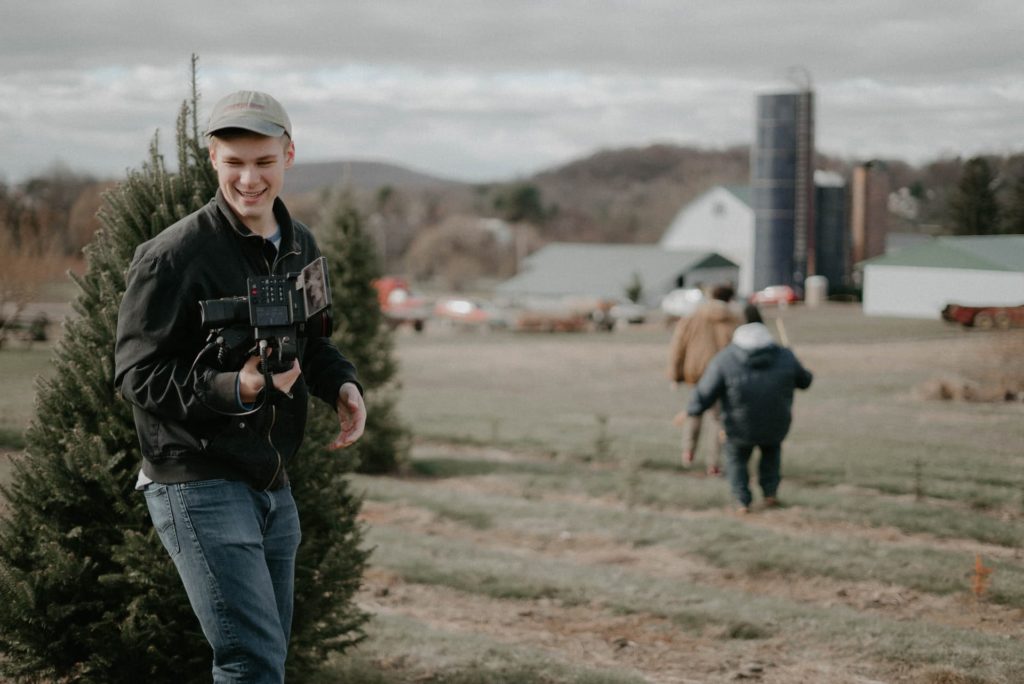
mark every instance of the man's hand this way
{"type": "Point", "coordinates": [251, 382]}
{"type": "Point", "coordinates": [351, 416]}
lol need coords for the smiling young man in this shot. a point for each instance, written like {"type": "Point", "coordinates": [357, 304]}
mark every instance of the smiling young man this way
{"type": "Point", "coordinates": [215, 440]}
{"type": "Point", "coordinates": [250, 174]}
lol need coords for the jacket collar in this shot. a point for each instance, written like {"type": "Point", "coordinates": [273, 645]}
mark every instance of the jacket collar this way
{"type": "Point", "coordinates": [284, 220]}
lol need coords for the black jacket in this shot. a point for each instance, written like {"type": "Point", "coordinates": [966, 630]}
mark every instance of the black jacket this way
{"type": "Point", "coordinates": [179, 415]}
{"type": "Point", "coordinates": [754, 378]}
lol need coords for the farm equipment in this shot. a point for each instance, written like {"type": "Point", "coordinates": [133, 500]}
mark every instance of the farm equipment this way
{"type": "Point", "coordinates": [985, 317]}
{"type": "Point", "coordinates": [400, 305]}
{"type": "Point", "coordinates": [563, 314]}
{"type": "Point", "coordinates": [468, 313]}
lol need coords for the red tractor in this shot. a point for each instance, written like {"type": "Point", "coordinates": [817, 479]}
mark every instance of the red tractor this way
{"type": "Point", "coordinates": [985, 317]}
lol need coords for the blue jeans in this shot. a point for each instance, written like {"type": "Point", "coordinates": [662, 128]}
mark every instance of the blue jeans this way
{"type": "Point", "coordinates": [234, 548]}
{"type": "Point", "coordinates": [769, 469]}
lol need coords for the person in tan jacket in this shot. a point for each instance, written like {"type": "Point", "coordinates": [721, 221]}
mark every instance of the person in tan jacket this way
{"type": "Point", "coordinates": [695, 341]}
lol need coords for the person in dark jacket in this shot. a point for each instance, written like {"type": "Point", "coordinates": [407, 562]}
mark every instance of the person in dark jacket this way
{"type": "Point", "coordinates": [216, 440]}
{"type": "Point", "coordinates": [754, 379]}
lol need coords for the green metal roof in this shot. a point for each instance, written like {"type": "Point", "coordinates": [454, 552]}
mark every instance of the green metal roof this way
{"type": "Point", "coordinates": [604, 270]}
{"type": "Point", "coordinates": [742, 193]}
{"type": "Point", "coordinates": [977, 252]}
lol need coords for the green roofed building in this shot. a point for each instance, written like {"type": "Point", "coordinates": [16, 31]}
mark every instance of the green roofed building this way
{"type": "Point", "coordinates": [608, 271]}
{"type": "Point", "coordinates": [919, 281]}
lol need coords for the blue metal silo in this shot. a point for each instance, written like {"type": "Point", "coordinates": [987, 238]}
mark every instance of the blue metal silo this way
{"type": "Point", "coordinates": [832, 247]}
{"type": "Point", "coordinates": [782, 183]}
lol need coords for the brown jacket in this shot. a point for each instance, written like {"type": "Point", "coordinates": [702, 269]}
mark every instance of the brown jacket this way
{"type": "Point", "coordinates": [698, 338]}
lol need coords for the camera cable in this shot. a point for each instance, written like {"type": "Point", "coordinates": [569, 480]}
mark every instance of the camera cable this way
{"type": "Point", "coordinates": [218, 343]}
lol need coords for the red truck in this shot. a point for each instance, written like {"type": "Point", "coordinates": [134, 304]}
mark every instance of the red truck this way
{"type": "Point", "coordinates": [985, 317]}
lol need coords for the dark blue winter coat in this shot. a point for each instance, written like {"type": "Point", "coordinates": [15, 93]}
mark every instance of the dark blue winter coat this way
{"type": "Point", "coordinates": [754, 379]}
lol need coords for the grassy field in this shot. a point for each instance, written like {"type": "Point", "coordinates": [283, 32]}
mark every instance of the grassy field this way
{"type": "Point", "coordinates": [21, 367]}
{"type": "Point", "coordinates": [544, 530]}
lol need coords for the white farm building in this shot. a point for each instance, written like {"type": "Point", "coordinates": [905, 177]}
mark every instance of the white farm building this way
{"type": "Point", "coordinates": [919, 281]}
{"type": "Point", "coordinates": [722, 221]}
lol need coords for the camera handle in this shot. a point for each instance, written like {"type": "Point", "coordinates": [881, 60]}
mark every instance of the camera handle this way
{"type": "Point", "coordinates": [266, 364]}
{"type": "Point", "coordinates": [223, 340]}
{"type": "Point", "coordinates": [282, 339]}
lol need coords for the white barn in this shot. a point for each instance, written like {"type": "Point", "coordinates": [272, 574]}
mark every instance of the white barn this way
{"type": "Point", "coordinates": [919, 281]}
{"type": "Point", "coordinates": [721, 220]}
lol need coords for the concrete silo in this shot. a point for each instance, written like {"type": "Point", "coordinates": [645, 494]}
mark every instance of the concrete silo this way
{"type": "Point", "coordinates": [868, 210]}
{"type": "Point", "coordinates": [782, 182]}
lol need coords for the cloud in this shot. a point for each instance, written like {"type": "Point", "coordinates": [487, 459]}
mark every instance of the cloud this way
{"type": "Point", "coordinates": [481, 90]}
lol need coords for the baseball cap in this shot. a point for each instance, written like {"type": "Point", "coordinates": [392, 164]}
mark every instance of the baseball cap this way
{"type": "Point", "coordinates": [252, 111]}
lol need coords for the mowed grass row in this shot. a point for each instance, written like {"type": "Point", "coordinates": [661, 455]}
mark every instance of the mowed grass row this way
{"type": "Point", "coordinates": [694, 607]}
{"type": "Point", "coordinates": [496, 542]}
{"type": "Point", "coordinates": [553, 499]}
{"type": "Point", "coordinates": [403, 650]}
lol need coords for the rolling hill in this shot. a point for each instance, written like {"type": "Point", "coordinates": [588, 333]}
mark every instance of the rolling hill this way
{"type": "Point", "coordinates": [362, 175]}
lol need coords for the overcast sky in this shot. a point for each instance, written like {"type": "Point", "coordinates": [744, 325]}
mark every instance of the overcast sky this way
{"type": "Point", "coordinates": [492, 89]}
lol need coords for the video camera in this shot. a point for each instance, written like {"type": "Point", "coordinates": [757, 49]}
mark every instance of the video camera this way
{"type": "Point", "coordinates": [277, 310]}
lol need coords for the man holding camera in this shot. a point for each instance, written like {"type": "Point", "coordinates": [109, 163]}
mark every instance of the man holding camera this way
{"type": "Point", "coordinates": [216, 439]}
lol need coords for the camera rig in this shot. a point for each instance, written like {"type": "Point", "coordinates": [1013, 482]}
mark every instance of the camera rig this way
{"type": "Point", "coordinates": [269, 320]}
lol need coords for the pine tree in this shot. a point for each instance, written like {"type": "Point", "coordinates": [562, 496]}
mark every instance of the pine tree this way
{"type": "Point", "coordinates": [360, 332]}
{"type": "Point", "coordinates": [973, 206]}
{"type": "Point", "coordinates": [87, 594]}
{"type": "Point", "coordinates": [1013, 216]}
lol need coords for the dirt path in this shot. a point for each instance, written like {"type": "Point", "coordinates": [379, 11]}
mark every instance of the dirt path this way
{"type": "Point", "coordinates": [652, 646]}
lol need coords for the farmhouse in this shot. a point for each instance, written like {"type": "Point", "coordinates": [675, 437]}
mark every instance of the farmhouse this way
{"type": "Point", "coordinates": [722, 221]}
{"type": "Point", "coordinates": [919, 281]}
{"type": "Point", "coordinates": [608, 270]}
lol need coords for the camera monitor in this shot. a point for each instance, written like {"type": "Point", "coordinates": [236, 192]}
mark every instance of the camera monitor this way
{"type": "Point", "coordinates": [315, 287]}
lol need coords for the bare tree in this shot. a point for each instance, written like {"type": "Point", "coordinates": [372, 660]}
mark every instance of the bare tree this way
{"type": "Point", "coordinates": [24, 269]}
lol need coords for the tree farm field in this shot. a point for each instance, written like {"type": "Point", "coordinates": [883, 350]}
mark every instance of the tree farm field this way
{"type": "Point", "coordinates": [544, 529]}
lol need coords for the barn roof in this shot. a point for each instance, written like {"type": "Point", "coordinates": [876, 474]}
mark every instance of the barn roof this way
{"type": "Point", "coordinates": [741, 192]}
{"type": "Point", "coordinates": [603, 270]}
{"type": "Point", "coordinates": [976, 252]}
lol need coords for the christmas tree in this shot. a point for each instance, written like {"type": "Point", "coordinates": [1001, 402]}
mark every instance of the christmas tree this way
{"type": "Point", "coordinates": [87, 593]}
{"type": "Point", "coordinates": [361, 333]}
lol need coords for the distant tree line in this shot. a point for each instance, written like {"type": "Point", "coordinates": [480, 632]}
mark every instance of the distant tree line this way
{"type": "Point", "coordinates": [629, 195]}
{"type": "Point", "coordinates": [978, 196]}
{"type": "Point", "coordinates": [54, 212]}
{"type": "Point", "coordinates": [44, 224]}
